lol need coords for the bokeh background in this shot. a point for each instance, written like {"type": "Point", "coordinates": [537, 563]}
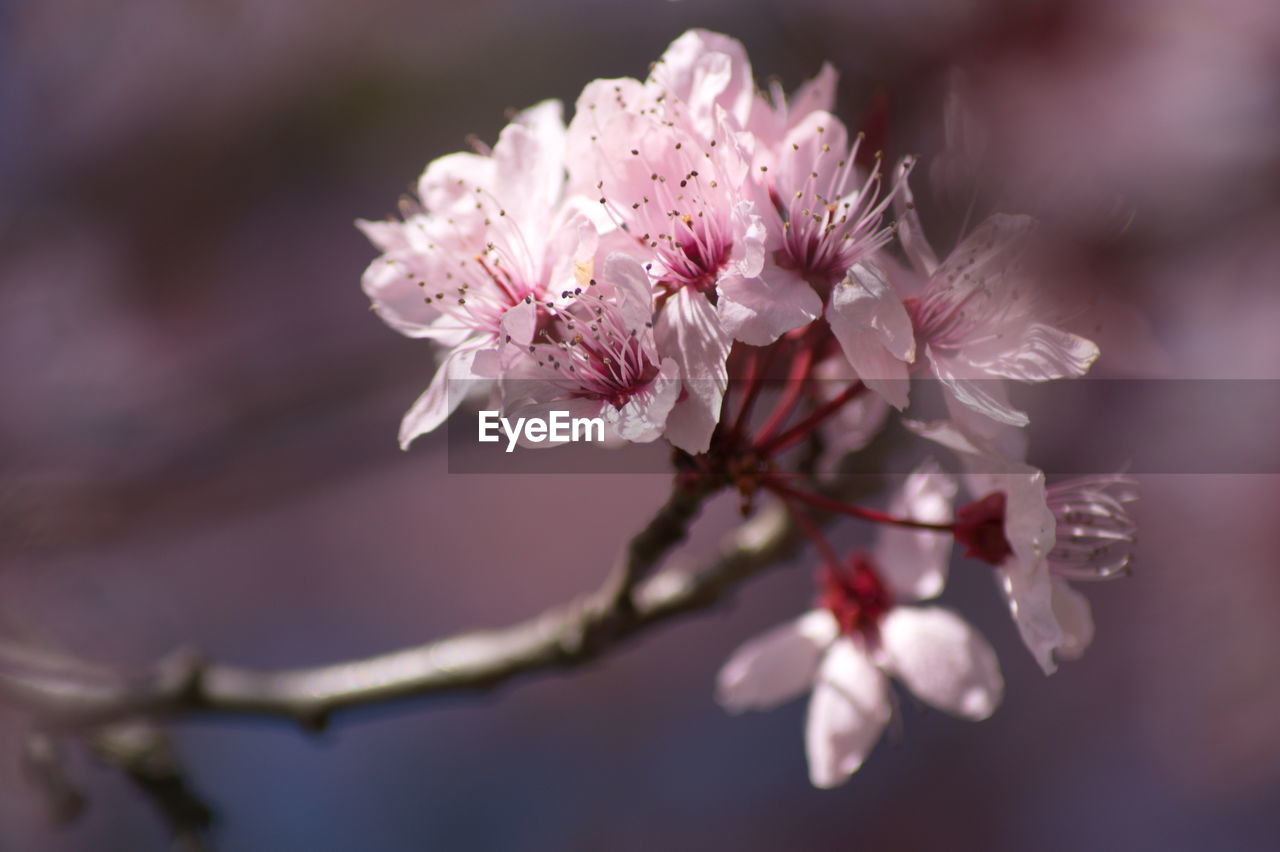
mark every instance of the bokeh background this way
{"type": "Point", "coordinates": [197, 427]}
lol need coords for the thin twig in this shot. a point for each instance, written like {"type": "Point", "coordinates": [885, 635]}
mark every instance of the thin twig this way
{"type": "Point", "coordinates": [145, 753]}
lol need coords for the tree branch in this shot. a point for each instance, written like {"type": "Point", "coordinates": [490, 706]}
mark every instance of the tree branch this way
{"type": "Point", "coordinates": [145, 753]}
{"type": "Point", "coordinates": [561, 637]}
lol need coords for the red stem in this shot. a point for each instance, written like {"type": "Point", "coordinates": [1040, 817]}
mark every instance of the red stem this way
{"type": "Point", "coordinates": [793, 434]}
{"type": "Point", "coordinates": [774, 484]}
{"type": "Point", "coordinates": [754, 381]}
{"type": "Point", "coordinates": [791, 395]}
{"type": "Point", "coordinates": [813, 532]}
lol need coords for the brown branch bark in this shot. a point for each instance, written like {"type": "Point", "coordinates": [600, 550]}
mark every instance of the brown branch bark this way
{"type": "Point", "coordinates": [565, 636]}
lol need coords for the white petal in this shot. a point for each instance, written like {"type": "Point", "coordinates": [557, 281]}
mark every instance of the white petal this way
{"type": "Point", "coordinates": [387, 234]}
{"type": "Point", "coordinates": [910, 233]}
{"type": "Point", "coordinates": [1029, 593]}
{"type": "Point", "coordinates": [818, 93]}
{"type": "Point", "coordinates": [529, 166]}
{"type": "Point", "coordinates": [848, 712]}
{"type": "Point", "coordinates": [943, 660]}
{"type": "Point", "coordinates": [392, 284]}
{"type": "Point", "coordinates": [802, 154]}
{"type": "Point", "coordinates": [450, 385]}
{"type": "Point", "coordinates": [974, 388]}
{"type": "Point", "coordinates": [689, 332]}
{"type": "Point", "coordinates": [1029, 527]}
{"type": "Point", "coordinates": [706, 69]}
{"type": "Point", "coordinates": [981, 261]}
{"type": "Point", "coordinates": [586, 143]}
{"type": "Point", "coordinates": [914, 562]}
{"type": "Point", "coordinates": [874, 330]}
{"type": "Point", "coordinates": [1042, 353]}
{"type": "Point", "coordinates": [775, 666]}
{"type": "Point", "coordinates": [644, 417]}
{"type": "Point", "coordinates": [1075, 619]}
{"type": "Point", "coordinates": [634, 289]}
{"type": "Point", "coordinates": [448, 184]}
{"type": "Point", "coordinates": [760, 310]}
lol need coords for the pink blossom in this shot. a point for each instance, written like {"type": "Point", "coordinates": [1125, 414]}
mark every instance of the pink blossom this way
{"type": "Point", "coordinates": [847, 649]}
{"type": "Point", "coordinates": [826, 208]}
{"type": "Point", "coordinates": [1039, 537]}
{"type": "Point", "coordinates": [979, 320]}
{"type": "Point", "coordinates": [492, 229]}
{"type": "Point", "coordinates": [592, 355]}
{"type": "Point", "coordinates": [672, 179]}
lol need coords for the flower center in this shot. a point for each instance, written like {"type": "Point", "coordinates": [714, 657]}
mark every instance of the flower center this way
{"type": "Point", "coordinates": [855, 595]}
{"type": "Point", "coordinates": [980, 528]}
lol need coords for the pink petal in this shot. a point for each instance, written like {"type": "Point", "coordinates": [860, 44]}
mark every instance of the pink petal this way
{"type": "Point", "coordinates": [448, 185]}
{"type": "Point", "coordinates": [910, 233]}
{"type": "Point", "coordinates": [914, 562]}
{"type": "Point", "coordinates": [644, 417]}
{"type": "Point", "coordinates": [450, 385]}
{"type": "Point", "coordinates": [942, 660]}
{"type": "Point", "coordinates": [391, 283]}
{"type": "Point", "coordinates": [705, 70]}
{"type": "Point", "coordinates": [775, 666]}
{"type": "Point", "coordinates": [802, 150]}
{"type": "Point", "coordinates": [974, 388]}
{"type": "Point", "coordinates": [633, 287]}
{"type": "Point", "coordinates": [1074, 617]}
{"type": "Point", "coordinates": [818, 93]}
{"type": "Point", "coordinates": [847, 713]}
{"type": "Point", "coordinates": [1042, 353]}
{"type": "Point", "coordinates": [760, 310]}
{"type": "Point", "coordinates": [1024, 577]}
{"type": "Point", "coordinates": [690, 333]}
{"type": "Point", "coordinates": [874, 330]}
{"type": "Point", "coordinates": [529, 165]}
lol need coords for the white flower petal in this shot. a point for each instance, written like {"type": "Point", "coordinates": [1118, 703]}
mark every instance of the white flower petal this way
{"type": "Point", "coordinates": [874, 330]}
{"type": "Point", "coordinates": [847, 713]}
{"type": "Point", "coordinates": [975, 389]}
{"type": "Point", "coordinates": [689, 331]}
{"type": "Point", "coordinates": [1043, 353]}
{"type": "Point", "coordinates": [914, 562]}
{"type": "Point", "coordinates": [450, 385]}
{"type": "Point", "coordinates": [705, 70]}
{"type": "Point", "coordinates": [644, 417]}
{"type": "Point", "coordinates": [529, 165]}
{"type": "Point", "coordinates": [1029, 527]}
{"type": "Point", "coordinates": [1075, 619]}
{"type": "Point", "coordinates": [776, 666]}
{"type": "Point", "coordinates": [1029, 593]}
{"type": "Point", "coordinates": [910, 233]}
{"type": "Point", "coordinates": [818, 93]}
{"type": "Point", "coordinates": [975, 269]}
{"type": "Point", "coordinates": [633, 287]}
{"type": "Point", "coordinates": [943, 660]}
{"type": "Point", "coordinates": [760, 310]}
{"type": "Point", "coordinates": [448, 184]}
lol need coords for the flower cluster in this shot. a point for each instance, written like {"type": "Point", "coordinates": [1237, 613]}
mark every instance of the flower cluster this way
{"type": "Point", "coordinates": [687, 228]}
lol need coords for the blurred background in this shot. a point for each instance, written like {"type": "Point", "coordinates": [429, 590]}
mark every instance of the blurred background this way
{"type": "Point", "coordinates": [197, 434]}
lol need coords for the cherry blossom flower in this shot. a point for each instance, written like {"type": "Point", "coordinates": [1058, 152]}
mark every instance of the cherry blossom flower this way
{"type": "Point", "coordinates": [861, 635]}
{"type": "Point", "coordinates": [673, 179]}
{"type": "Point", "coordinates": [492, 229]}
{"type": "Point", "coordinates": [975, 317]}
{"type": "Point", "coordinates": [593, 355]}
{"type": "Point", "coordinates": [1039, 537]}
